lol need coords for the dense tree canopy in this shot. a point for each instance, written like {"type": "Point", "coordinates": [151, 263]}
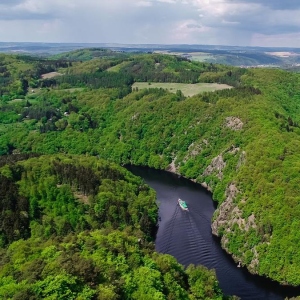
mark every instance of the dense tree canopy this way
{"type": "Point", "coordinates": [81, 228]}
{"type": "Point", "coordinates": [241, 143]}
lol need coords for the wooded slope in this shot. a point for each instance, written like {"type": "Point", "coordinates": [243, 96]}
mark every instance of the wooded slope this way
{"type": "Point", "coordinates": [81, 228]}
{"type": "Point", "coordinates": [241, 143]}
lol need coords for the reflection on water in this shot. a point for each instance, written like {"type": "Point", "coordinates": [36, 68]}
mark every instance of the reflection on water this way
{"type": "Point", "coordinates": [187, 236]}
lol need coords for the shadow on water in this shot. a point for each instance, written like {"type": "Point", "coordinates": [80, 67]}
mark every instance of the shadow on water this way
{"type": "Point", "coordinates": [187, 236]}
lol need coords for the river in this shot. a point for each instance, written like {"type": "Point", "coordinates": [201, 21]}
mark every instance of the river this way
{"type": "Point", "coordinates": [187, 236]}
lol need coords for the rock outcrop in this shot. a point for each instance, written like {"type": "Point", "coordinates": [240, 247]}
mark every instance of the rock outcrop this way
{"type": "Point", "coordinates": [172, 167]}
{"type": "Point", "coordinates": [224, 210]}
{"type": "Point", "coordinates": [242, 160]}
{"type": "Point", "coordinates": [216, 166]}
{"type": "Point", "coordinates": [234, 123]}
{"type": "Point", "coordinates": [229, 215]}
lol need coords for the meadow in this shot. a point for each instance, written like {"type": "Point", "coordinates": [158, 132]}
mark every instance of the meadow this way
{"type": "Point", "coordinates": [187, 89]}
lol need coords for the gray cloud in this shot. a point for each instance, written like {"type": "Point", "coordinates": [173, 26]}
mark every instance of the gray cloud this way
{"type": "Point", "coordinates": [27, 10]}
{"type": "Point", "coordinates": [11, 2]}
{"type": "Point", "coordinates": [193, 26]}
{"type": "Point", "coordinates": [237, 22]}
{"type": "Point", "coordinates": [248, 18]}
{"type": "Point", "coordinates": [9, 16]}
{"type": "Point", "coordinates": [273, 4]}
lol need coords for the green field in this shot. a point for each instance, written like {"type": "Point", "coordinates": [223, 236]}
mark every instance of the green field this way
{"type": "Point", "coordinates": [118, 67]}
{"type": "Point", "coordinates": [16, 100]}
{"type": "Point", "coordinates": [201, 56]}
{"type": "Point", "coordinates": [187, 89]}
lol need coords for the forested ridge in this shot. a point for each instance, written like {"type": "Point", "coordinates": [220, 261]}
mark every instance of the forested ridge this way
{"type": "Point", "coordinates": [78, 227]}
{"type": "Point", "coordinates": [241, 143]}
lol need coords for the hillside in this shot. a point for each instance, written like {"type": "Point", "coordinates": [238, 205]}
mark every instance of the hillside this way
{"type": "Point", "coordinates": [280, 57]}
{"type": "Point", "coordinates": [240, 143]}
{"type": "Point", "coordinates": [77, 227]}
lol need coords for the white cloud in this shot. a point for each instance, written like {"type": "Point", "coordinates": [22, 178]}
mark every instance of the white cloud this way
{"type": "Point", "coordinates": [144, 3]}
{"type": "Point", "coordinates": [190, 32]}
{"type": "Point", "coordinates": [167, 1]}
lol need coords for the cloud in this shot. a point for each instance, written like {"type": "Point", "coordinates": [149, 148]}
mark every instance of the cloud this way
{"type": "Point", "coordinates": [273, 4]}
{"type": "Point", "coordinates": [167, 1]}
{"type": "Point", "coordinates": [144, 3]}
{"type": "Point", "coordinates": [286, 40]}
{"type": "Point", "coordinates": [151, 21]}
{"type": "Point", "coordinates": [10, 2]}
{"type": "Point", "coordinates": [248, 18]}
{"type": "Point", "coordinates": [192, 25]}
{"type": "Point", "coordinates": [31, 9]}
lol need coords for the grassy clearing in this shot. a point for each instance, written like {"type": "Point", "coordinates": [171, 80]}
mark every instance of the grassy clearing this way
{"type": "Point", "coordinates": [200, 56]}
{"type": "Point", "coordinates": [118, 67]}
{"type": "Point", "coordinates": [187, 89]}
{"type": "Point", "coordinates": [50, 75]}
{"type": "Point", "coordinates": [16, 100]}
{"type": "Point", "coordinates": [195, 56]}
{"type": "Point", "coordinates": [72, 90]}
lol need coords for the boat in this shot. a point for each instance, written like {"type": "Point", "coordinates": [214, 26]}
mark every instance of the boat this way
{"type": "Point", "coordinates": [183, 204]}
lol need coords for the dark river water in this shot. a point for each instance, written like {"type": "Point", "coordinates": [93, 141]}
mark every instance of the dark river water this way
{"type": "Point", "coordinates": [187, 236]}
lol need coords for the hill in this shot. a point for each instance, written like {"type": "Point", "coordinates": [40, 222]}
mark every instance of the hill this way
{"type": "Point", "coordinates": [82, 228]}
{"type": "Point", "coordinates": [280, 57]}
{"type": "Point", "coordinates": [240, 143]}
{"type": "Point", "coordinates": [88, 54]}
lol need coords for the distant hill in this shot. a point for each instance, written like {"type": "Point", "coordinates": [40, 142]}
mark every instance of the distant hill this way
{"type": "Point", "coordinates": [88, 54]}
{"type": "Point", "coordinates": [231, 55]}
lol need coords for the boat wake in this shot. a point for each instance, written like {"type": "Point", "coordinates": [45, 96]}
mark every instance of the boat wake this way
{"type": "Point", "coordinates": [181, 231]}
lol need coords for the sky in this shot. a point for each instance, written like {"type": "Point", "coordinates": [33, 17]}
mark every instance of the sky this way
{"type": "Point", "coordinates": [272, 23]}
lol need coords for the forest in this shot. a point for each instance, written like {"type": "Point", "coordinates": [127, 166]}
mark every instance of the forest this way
{"type": "Point", "coordinates": [240, 143]}
{"type": "Point", "coordinates": [78, 227]}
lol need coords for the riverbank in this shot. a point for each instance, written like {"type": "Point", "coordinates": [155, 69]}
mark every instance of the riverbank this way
{"type": "Point", "coordinates": [188, 236]}
{"type": "Point", "coordinates": [227, 215]}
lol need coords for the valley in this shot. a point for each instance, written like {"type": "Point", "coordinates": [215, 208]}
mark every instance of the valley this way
{"type": "Point", "coordinates": [241, 143]}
